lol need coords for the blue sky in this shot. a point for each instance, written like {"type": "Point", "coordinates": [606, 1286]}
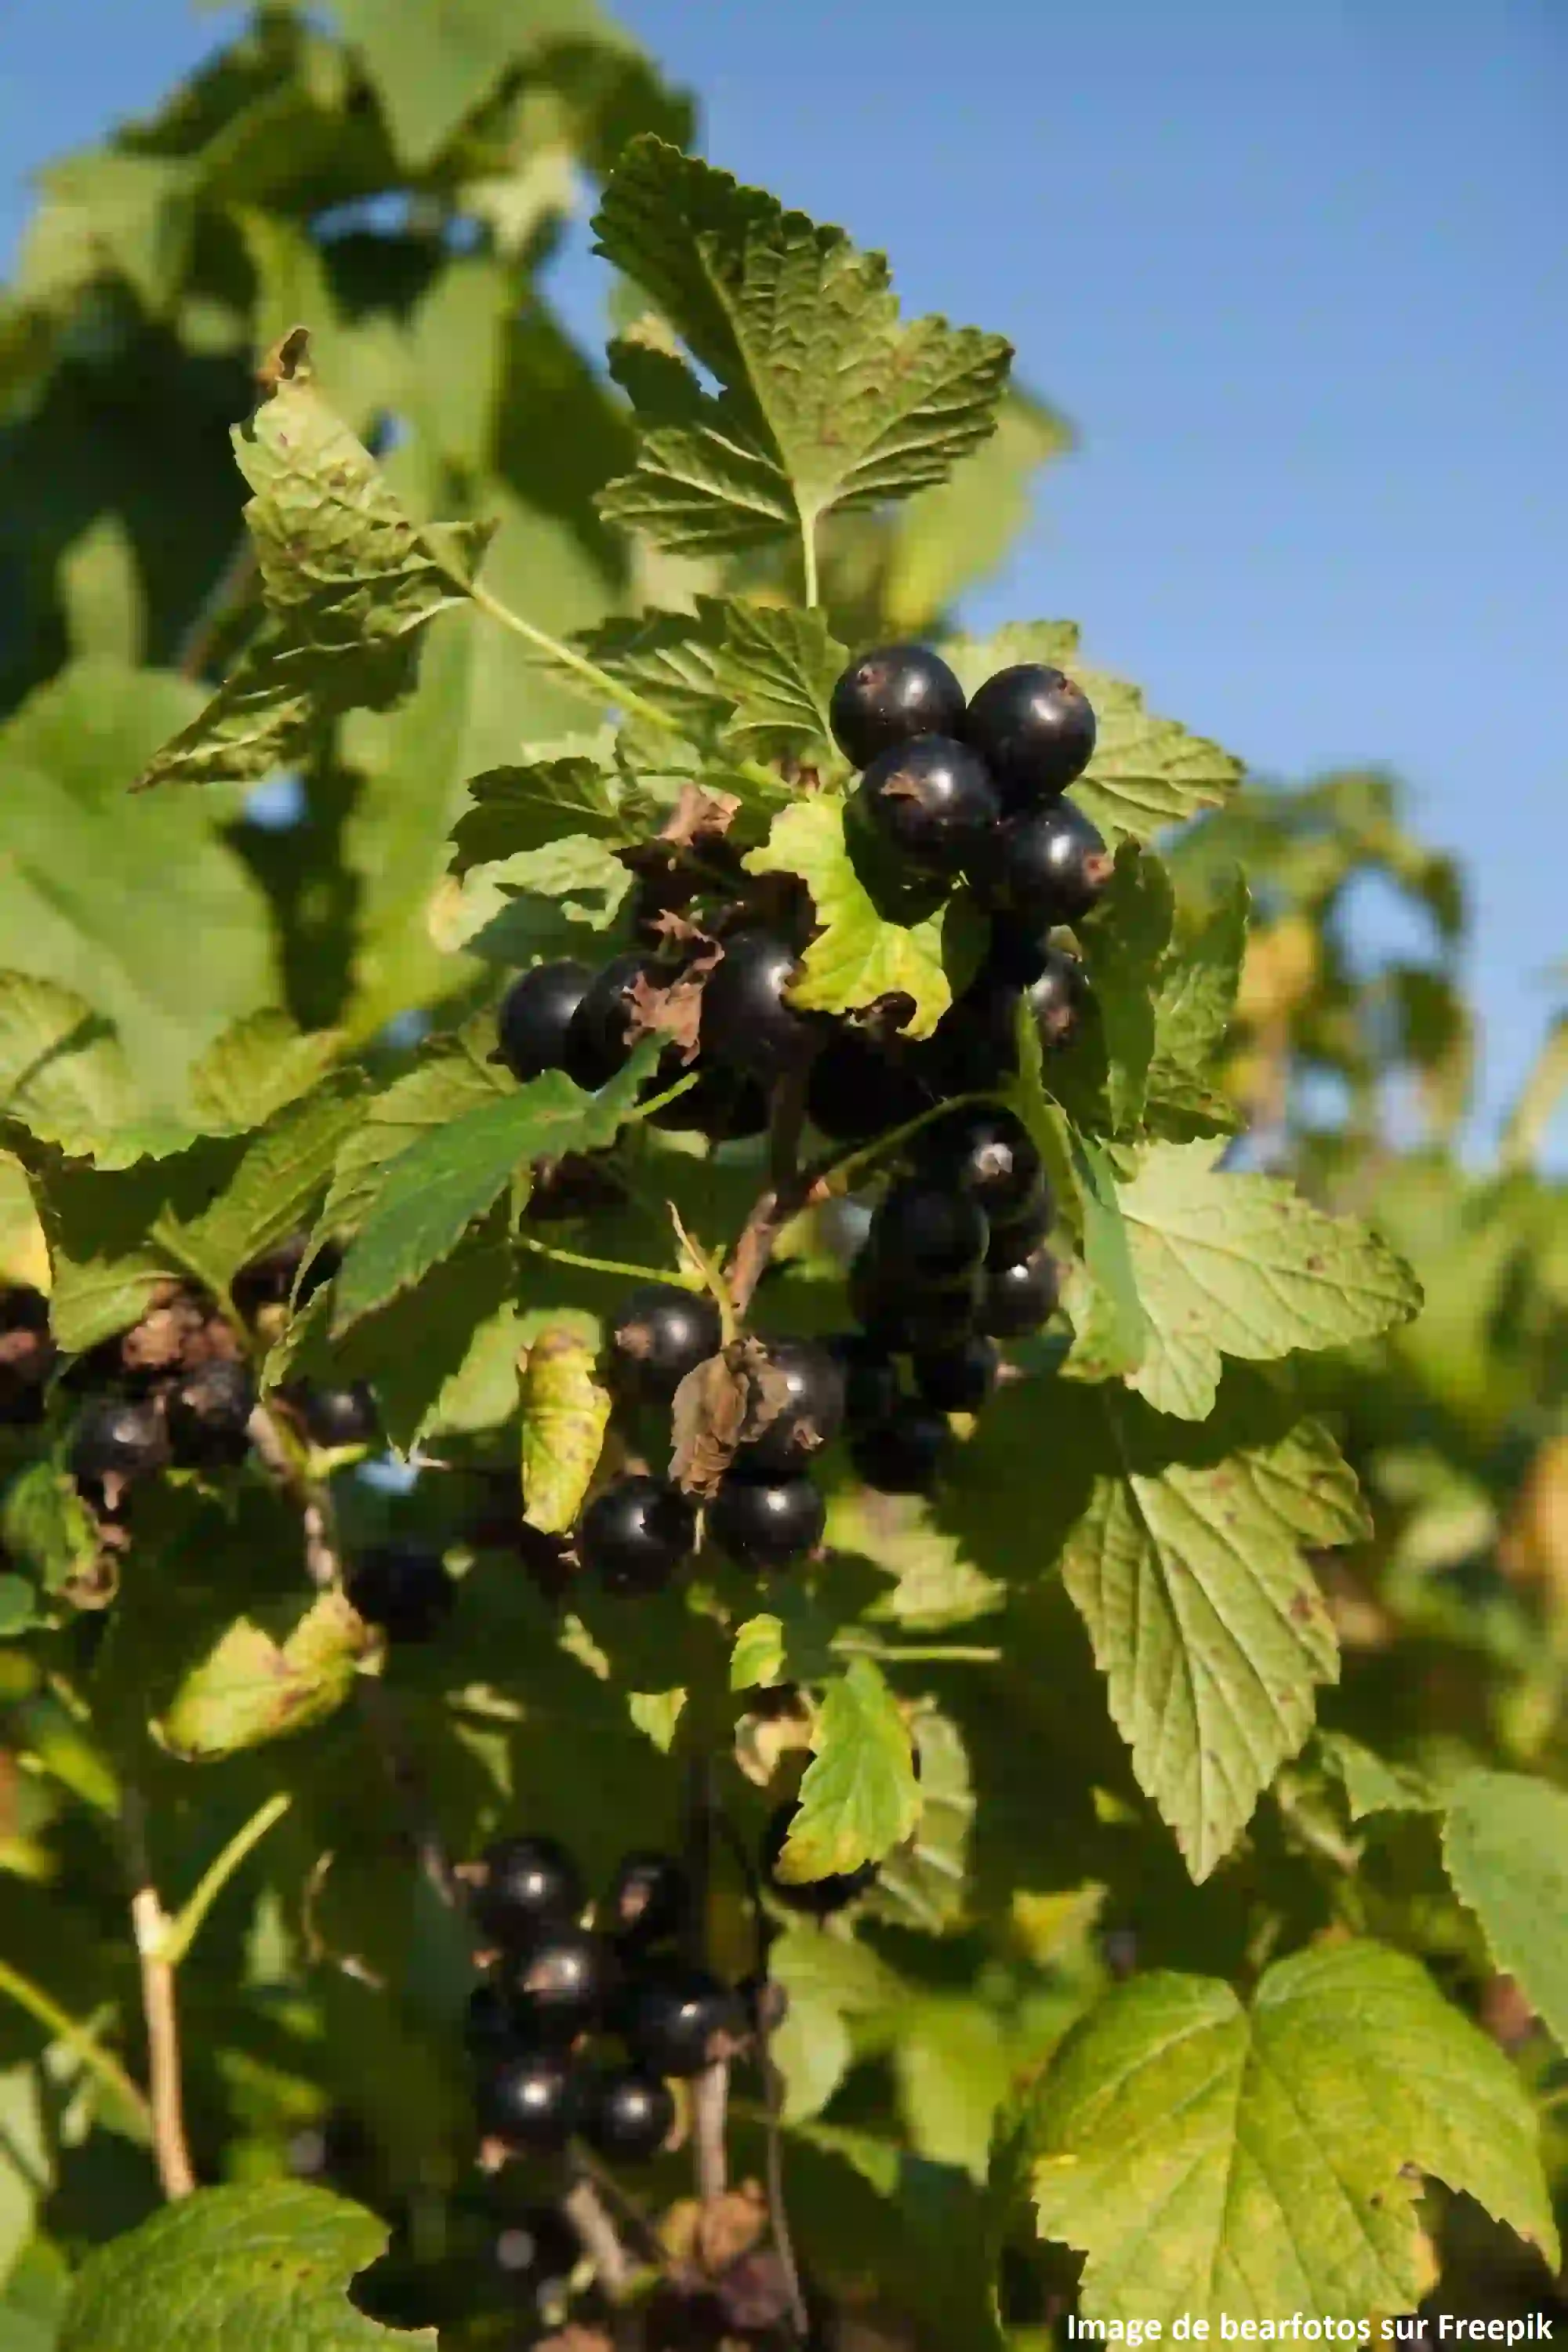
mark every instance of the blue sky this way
{"type": "Point", "coordinates": [1299, 273]}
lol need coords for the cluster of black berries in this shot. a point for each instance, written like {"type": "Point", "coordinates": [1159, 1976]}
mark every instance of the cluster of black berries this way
{"type": "Point", "coordinates": [555, 1988]}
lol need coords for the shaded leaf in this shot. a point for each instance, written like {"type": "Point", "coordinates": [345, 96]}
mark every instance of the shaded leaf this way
{"type": "Point", "coordinates": [259, 1682]}
{"type": "Point", "coordinates": [1505, 1843]}
{"type": "Point", "coordinates": [513, 809]}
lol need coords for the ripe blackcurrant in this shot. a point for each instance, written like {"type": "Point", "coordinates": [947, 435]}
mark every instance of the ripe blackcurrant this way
{"type": "Point", "coordinates": [402, 1588]}
{"type": "Point", "coordinates": [961, 1378]}
{"type": "Point", "coordinates": [811, 1412]}
{"type": "Point", "coordinates": [859, 1087]}
{"type": "Point", "coordinates": [525, 1883]}
{"type": "Point", "coordinates": [929, 800]}
{"type": "Point", "coordinates": [985, 1153]}
{"type": "Point", "coordinates": [1018, 1298]}
{"type": "Point", "coordinates": [1048, 866]}
{"type": "Point", "coordinates": [559, 1982]}
{"type": "Point", "coordinates": [819, 1899]}
{"type": "Point", "coordinates": [637, 1533]}
{"type": "Point", "coordinates": [648, 1901]}
{"type": "Point", "coordinates": [672, 2018]}
{"type": "Point", "coordinates": [597, 1043]}
{"type": "Point", "coordinates": [747, 1022]}
{"type": "Point", "coordinates": [889, 694]}
{"type": "Point", "coordinates": [627, 2115]}
{"type": "Point", "coordinates": [766, 1522]}
{"type": "Point", "coordinates": [207, 1412]}
{"type": "Point", "coordinates": [660, 1335]}
{"type": "Point", "coordinates": [535, 1015]}
{"type": "Point", "coordinates": [722, 1104]}
{"type": "Point", "coordinates": [1020, 1236]}
{"type": "Point", "coordinates": [1035, 729]}
{"type": "Point", "coordinates": [870, 1379]}
{"type": "Point", "coordinates": [117, 1437]}
{"type": "Point", "coordinates": [899, 1318]}
{"type": "Point", "coordinates": [903, 1453]}
{"type": "Point", "coordinates": [334, 1417]}
{"type": "Point", "coordinates": [926, 1236]}
{"type": "Point", "coordinates": [490, 2023]}
{"type": "Point", "coordinates": [527, 2100]}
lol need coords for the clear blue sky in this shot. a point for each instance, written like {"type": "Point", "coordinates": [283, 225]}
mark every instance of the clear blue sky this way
{"type": "Point", "coordinates": [1300, 273]}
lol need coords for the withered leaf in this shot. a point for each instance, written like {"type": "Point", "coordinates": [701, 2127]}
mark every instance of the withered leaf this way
{"type": "Point", "coordinates": [699, 816]}
{"type": "Point", "coordinates": [721, 1404]}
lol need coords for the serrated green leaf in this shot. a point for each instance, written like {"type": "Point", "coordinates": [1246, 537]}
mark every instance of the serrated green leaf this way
{"type": "Point", "coordinates": [432, 1192]}
{"type": "Point", "coordinates": [62, 1072]}
{"type": "Point", "coordinates": [1123, 944]}
{"type": "Point", "coordinates": [1146, 773]}
{"type": "Point", "coordinates": [45, 1522]}
{"type": "Point", "coordinates": [1505, 1845]}
{"type": "Point", "coordinates": [1242, 1265]}
{"type": "Point", "coordinates": [827, 400]}
{"type": "Point", "coordinates": [262, 2268]}
{"type": "Point", "coordinates": [1259, 2163]}
{"type": "Point", "coordinates": [515, 809]}
{"type": "Point", "coordinates": [781, 666]}
{"type": "Point", "coordinates": [860, 1797]}
{"type": "Point", "coordinates": [262, 1681]}
{"type": "Point", "coordinates": [859, 954]}
{"type": "Point", "coordinates": [257, 1067]}
{"type": "Point", "coordinates": [275, 1190]}
{"type": "Point", "coordinates": [565, 1413]}
{"type": "Point", "coordinates": [133, 213]}
{"type": "Point", "coordinates": [934, 1585]}
{"type": "Point", "coordinates": [1196, 995]}
{"type": "Point", "coordinates": [438, 1091]}
{"type": "Point", "coordinates": [1371, 1784]}
{"type": "Point", "coordinates": [925, 1883]}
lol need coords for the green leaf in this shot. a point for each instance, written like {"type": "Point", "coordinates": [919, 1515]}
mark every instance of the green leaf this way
{"type": "Point", "coordinates": [1196, 995]}
{"type": "Point", "coordinates": [565, 1413]}
{"type": "Point", "coordinates": [934, 1585]}
{"type": "Point", "coordinates": [426, 1099]}
{"type": "Point", "coordinates": [45, 1523]}
{"type": "Point", "coordinates": [434, 61]}
{"type": "Point", "coordinates": [1211, 2160]}
{"type": "Point", "coordinates": [925, 1884]}
{"type": "Point", "coordinates": [952, 2072]}
{"type": "Point", "coordinates": [757, 1660]}
{"type": "Point", "coordinates": [101, 590]}
{"type": "Point", "coordinates": [860, 1797]}
{"type": "Point", "coordinates": [781, 666]}
{"type": "Point", "coordinates": [974, 659]}
{"type": "Point", "coordinates": [1505, 1843]}
{"type": "Point", "coordinates": [513, 809]}
{"type": "Point", "coordinates": [827, 399]}
{"type": "Point", "coordinates": [860, 954]}
{"type": "Point", "coordinates": [1123, 944]}
{"type": "Point", "coordinates": [275, 1190]}
{"type": "Point", "coordinates": [1242, 1265]}
{"type": "Point", "coordinates": [255, 1068]}
{"type": "Point", "coordinates": [1372, 1785]}
{"type": "Point", "coordinates": [433, 1192]}
{"type": "Point", "coordinates": [62, 1072]}
{"type": "Point", "coordinates": [26, 2163]}
{"type": "Point", "coordinates": [133, 213]}
{"type": "Point", "coordinates": [254, 2268]}
{"type": "Point", "coordinates": [263, 1681]}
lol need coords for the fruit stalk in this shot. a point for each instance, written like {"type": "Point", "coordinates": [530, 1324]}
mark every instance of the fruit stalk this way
{"type": "Point", "coordinates": [150, 1925]}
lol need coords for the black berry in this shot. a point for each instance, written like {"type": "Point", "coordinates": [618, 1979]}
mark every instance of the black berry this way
{"type": "Point", "coordinates": [534, 1017]}
{"type": "Point", "coordinates": [870, 1379]}
{"type": "Point", "coordinates": [901, 1319]}
{"type": "Point", "coordinates": [627, 2115]}
{"type": "Point", "coordinates": [1035, 729]}
{"type": "Point", "coordinates": [961, 1378]}
{"type": "Point", "coordinates": [929, 800]}
{"type": "Point", "coordinates": [207, 1412]}
{"type": "Point", "coordinates": [924, 1234]}
{"type": "Point", "coordinates": [985, 1153]}
{"type": "Point", "coordinates": [859, 1087]}
{"type": "Point", "coordinates": [490, 2023]}
{"type": "Point", "coordinates": [402, 1588]}
{"type": "Point", "coordinates": [559, 1982]}
{"type": "Point", "coordinates": [334, 1417]}
{"type": "Point", "coordinates": [637, 1533]}
{"type": "Point", "coordinates": [766, 1522]}
{"type": "Point", "coordinates": [525, 1883]}
{"type": "Point", "coordinates": [1018, 1298]}
{"type": "Point", "coordinates": [747, 1024]}
{"type": "Point", "coordinates": [903, 1453]}
{"type": "Point", "coordinates": [526, 2100]}
{"type": "Point", "coordinates": [889, 694]}
{"type": "Point", "coordinates": [722, 1104]}
{"type": "Point", "coordinates": [1020, 1236]}
{"type": "Point", "coordinates": [819, 1899]}
{"type": "Point", "coordinates": [672, 2020]}
{"type": "Point", "coordinates": [597, 1044]}
{"type": "Point", "coordinates": [650, 1900]}
{"type": "Point", "coordinates": [810, 1415]}
{"type": "Point", "coordinates": [118, 1437]}
{"type": "Point", "coordinates": [1048, 866]}
{"type": "Point", "coordinates": [660, 1335]}
{"type": "Point", "coordinates": [1057, 997]}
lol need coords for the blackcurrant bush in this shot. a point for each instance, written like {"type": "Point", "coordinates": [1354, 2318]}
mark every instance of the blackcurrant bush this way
{"type": "Point", "coordinates": [334, 1417]}
{"type": "Point", "coordinates": [597, 1043]}
{"type": "Point", "coordinates": [672, 2018]}
{"type": "Point", "coordinates": [889, 694]}
{"type": "Point", "coordinates": [660, 1335]}
{"type": "Point", "coordinates": [527, 2099]}
{"type": "Point", "coordinates": [810, 1415]}
{"type": "Point", "coordinates": [927, 1235]}
{"type": "Point", "coordinates": [1035, 729]}
{"type": "Point", "coordinates": [637, 1533]}
{"type": "Point", "coordinates": [870, 1377]}
{"type": "Point", "coordinates": [525, 1883]}
{"type": "Point", "coordinates": [404, 1589]}
{"type": "Point", "coordinates": [903, 1453]}
{"type": "Point", "coordinates": [207, 1412]}
{"type": "Point", "coordinates": [1048, 866]}
{"type": "Point", "coordinates": [535, 1015]}
{"type": "Point", "coordinates": [559, 1982]}
{"type": "Point", "coordinates": [1018, 1298]}
{"type": "Point", "coordinates": [859, 1087]}
{"type": "Point", "coordinates": [766, 1522]}
{"type": "Point", "coordinates": [961, 1378]}
{"type": "Point", "coordinates": [929, 800]}
{"type": "Point", "coordinates": [817, 1898]}
{"type": "Point", "coordinates": [627, 2116]}
{"type": "Point", "coordinates": [118, 1437]}
{"type": "Point", "coordinates": [985, 1153]}
{"type": "Point", "coordinates": [747, 1022]}
{"type": "Point", "coordinates": [650, 1900]}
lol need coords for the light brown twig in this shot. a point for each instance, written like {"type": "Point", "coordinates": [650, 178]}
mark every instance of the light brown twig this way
{"type": "Point", "coordinates": [149, 1927]}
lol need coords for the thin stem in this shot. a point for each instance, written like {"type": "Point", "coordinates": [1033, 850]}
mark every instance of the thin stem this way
{"type": "Point", "coordinates": [712, 1276]}
{"type": "Point", "coordinates": [584, 2208]}
{"type": "Point", "coordinates": [76, 2037]}
{"type": "Point", "coordinates": [710, 2111]}
{"type": "Point", "coordinates": [275, 1456]}
{"type": "Point", "coordinates": [175, 2171]}
{"type": "Point", "coordinates": [911, 1653]}
{"type": "Point", "coordinates": [778, 2212]}
{"type": "Point", "coordinates": [839, 1165]}
{"type": "Point", "coordinates": [808, 560]}
{"type": "Point", "coordinates": [604, 688]}
{"type": "Point", "coordinates": [673, 1277]}
{"type": "Point", "coordinates": [186, 1925]}
{"type": "Point", "coordinates": [659, 1102]}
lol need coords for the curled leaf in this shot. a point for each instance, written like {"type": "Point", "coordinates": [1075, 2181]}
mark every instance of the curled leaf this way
{"type": "Point", "coordinates": [252, 1687]}
{"type": "Point", "coordinates": [565, 1411]}
{"type": "Point", "coordinates": [721, 1404]}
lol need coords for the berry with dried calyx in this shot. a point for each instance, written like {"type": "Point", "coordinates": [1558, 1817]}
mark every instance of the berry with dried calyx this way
{"type": "Point", "coordinates": [986, 1154]}
{"type": "Point", "coordinates": [765, 1522]}
{"type": "Point", "coordinates": [207, 1413]}
{"type": "Point", "coordinates": [675, 2020]}
{"type": "Point", "coordinates": [929, 801]}
{"type": "Point", "coordinates": [118, 1438]}
{"type": "Point", "coordinates": [1035, 729]}
{"type": "Point", "coordinates": [636, 1534]}
{"type": "Point", "coordinates": [810, 1409]}
{"type": "Point", "coordinates": [748, 1022]}
{"type": "Point", "coordinates": [524, 1884]}
{"type": "Point", "coordinates": [1046, 867]}
{"type": "Point", "coordinates": [890, 695]}
{"type": "Point", "coordinates": [660, 1335]}
{"type": "Point", "coordinates": [559, 1981]}
{"type": "Point", "coordinates": [649, 1901]}
{"type": "Point", "coordinates": [1018, 1298]}
{"type": "Point", "coordinates": [597, 1043]}
{"type": "Point", "coordinates": [527, 2100]}
{"type": "Point", "coordinates": [628, 2115]}
{"type": "Point", "coordinates": [534, 1016]}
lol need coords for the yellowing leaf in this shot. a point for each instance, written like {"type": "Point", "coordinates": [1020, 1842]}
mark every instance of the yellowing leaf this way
{"type": "Point", "coordinates": [565, 1411]}
{"type": "Point", "coordinates": [252, 1687]}
{"type": "Point", "coordinates": [860, 1797]}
